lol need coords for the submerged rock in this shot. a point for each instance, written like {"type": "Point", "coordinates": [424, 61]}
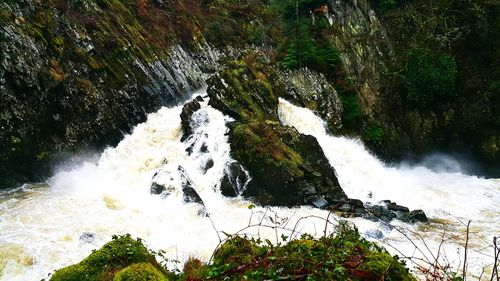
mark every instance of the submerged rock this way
{"type": "Point", "coordinates": [87, 237]}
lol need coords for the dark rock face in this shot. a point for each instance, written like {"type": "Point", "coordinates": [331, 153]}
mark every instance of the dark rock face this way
{"type": "Point", "coordinates": [68, 83]}
{"type": "Point", "coordinates": [287, 168]}
{"type": "Point", "coordinates": [309, 89]}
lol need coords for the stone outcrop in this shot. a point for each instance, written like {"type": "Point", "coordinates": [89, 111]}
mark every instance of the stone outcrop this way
{"type": "Point", "coordinates": [364, 48]}
{"type": "Point", "coordinates": [287, 168]}
{"type": "Point", "coordinates": [69, 80]}
{"type": "Point", "coordinates": [310, 89]}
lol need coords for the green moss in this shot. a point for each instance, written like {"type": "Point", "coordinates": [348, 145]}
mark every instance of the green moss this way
{"type": "Point", "coordinates": [260, 144]}
{"type": "Point", "coordinates": [103, 263]}
{"type": "Point", "coordinates": [374, 132]}
{"type": "Point", "coordinates": [140, 272]}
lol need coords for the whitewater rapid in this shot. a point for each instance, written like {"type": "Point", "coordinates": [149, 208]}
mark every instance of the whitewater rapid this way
{"type": "Point", "coordinates": [50, 225]}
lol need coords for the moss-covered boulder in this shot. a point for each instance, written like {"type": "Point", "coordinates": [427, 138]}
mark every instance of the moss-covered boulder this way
{"type": "Point", "coordinates": [105, 263]}
{"type": "Point", "coordinates": [140, 272]}
{"type": "Point", "coordinates": [287, 168]}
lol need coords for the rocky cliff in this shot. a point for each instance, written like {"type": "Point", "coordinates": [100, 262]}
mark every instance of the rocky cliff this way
{"type": "Point", "coordinates": [83, 73]}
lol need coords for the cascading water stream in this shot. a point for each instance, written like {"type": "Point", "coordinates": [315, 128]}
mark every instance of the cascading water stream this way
{"type": "Point", "coordinates": [47, 226]}
{"type": "Point", "coordinates": [450, 198]}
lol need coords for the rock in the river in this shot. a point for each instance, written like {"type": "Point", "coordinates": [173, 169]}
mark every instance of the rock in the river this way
{"type": "Point", "coordinates": [187, 111]}
{"type": "Point", "coordinates": [208, 165]}
{"type": "Point", "coordinates": [395, 207]}
{"type": "Point", "coordinates": [415, 216]}
{"type": "Point", "coordinates": [287, 168]}
{"type": "Point", "coordinates": [87, 237]}
{"type": "Point", "coordinates": [234, 179]}
{"type": "Point", "coordinates": [386, 211]}
{"type": "Point", "coordinates": [157, 188]}
{"type": "Point", "coordinates": [190, 195]}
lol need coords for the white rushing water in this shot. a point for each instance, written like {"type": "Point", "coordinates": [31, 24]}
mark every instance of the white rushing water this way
{"type": "Point", "coordinates": [47, 226]}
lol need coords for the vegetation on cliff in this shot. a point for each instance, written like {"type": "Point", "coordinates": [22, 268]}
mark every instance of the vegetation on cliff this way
{"type": "Point", "coordinates": [340, 256]}
{"type": "Point", "coordinates": [441, 88]}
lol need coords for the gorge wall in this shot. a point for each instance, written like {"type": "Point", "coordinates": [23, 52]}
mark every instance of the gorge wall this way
{"type": "Point", "coordinates": [76, 74]}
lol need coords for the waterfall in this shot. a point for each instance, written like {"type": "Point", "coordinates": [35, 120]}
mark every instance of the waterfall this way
{"type": "Point", "coordinates": [50, 225]}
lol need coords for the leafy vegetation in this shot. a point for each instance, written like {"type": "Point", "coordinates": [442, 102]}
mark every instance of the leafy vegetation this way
{"type": "Point", "coordinates": [344, 255]}
{"type": "Point", "coordinates": [103, 264]}
{"type": "Point", "coordinates": [429, 78]}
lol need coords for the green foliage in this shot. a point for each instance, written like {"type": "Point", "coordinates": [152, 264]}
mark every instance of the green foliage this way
{"type": "Point", "coordinates": [429, 78]}
{"type": "Point", "coordinates": [352, 110]}
{"type": "Point", "coordinates": [140, 272]}
{"type": "Point", "coordinates": [102, 264]}
{"type": "Point", "coordinates": [305, 44]}
{"type": "Point", "coordinates": [343, 256]}
{"type": "Point", "coordinates": [374, 132]}
{"type": "Point", "coordinates": [383, 6]}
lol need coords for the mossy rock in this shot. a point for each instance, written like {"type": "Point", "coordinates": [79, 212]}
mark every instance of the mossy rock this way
{"type": "Point", "coordinates": [287, 168]}
{"type": "Point", "coordinates": [140, 272]}
{"type": "Point", "coordinates": [104, 263]}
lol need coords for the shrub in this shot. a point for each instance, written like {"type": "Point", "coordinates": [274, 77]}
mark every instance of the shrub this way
{"type": "Point", "coordinates": [429, 78]}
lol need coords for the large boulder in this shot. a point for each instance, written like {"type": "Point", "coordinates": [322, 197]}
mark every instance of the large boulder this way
{"type": "Point", "coordinates": [287, 168]}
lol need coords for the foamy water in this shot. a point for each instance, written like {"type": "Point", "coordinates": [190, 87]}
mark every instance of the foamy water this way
{"type": "Point", "coordinates": [47, 226]}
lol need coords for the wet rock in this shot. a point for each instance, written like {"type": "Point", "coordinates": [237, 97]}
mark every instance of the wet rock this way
{"type": "Point", "coordinates": [87, 237]}
{"type": "Point", "coordinates": [208, 165]}
{"type": "Point", "coordinates": [375, 233]}
{"type": "Point", "coordinates": [204, 148]}
{"type": "Point", "coordinates": [189, 194]}
{"type": "Point", "coordinates": [386, 211]}
{"type": "Point", "coordinates": [377, 212]}
{"type": "Point", "coordinates": [157, 188]}
{"type": "Point", "coordinates": [415, 216]}
{"type": "Point", "coordinates": [318, 202]}
{"type": "Point", "coordinates": [187, 111]}
{"type": "Point", "coordinates": [234, 180]}
{"type": "Point", "coordinates": [397, 208]}
{"type": "Point", "coordinates": [348, 207]}
{"type": "Point", "coordinates": [310, 89]}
